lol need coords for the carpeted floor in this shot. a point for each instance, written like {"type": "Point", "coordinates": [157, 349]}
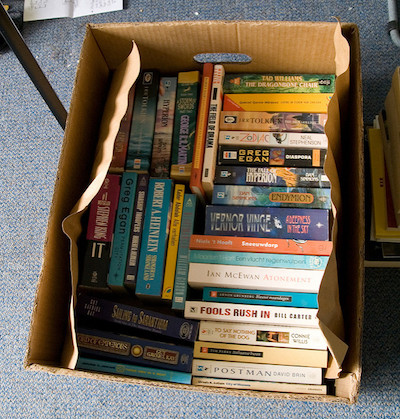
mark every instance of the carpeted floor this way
{"type": "Point", "coordinates": [30, 143]}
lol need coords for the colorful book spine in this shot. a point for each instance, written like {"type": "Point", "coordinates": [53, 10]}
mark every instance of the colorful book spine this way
{"type": "Point", "coordinates": [99, 234]}
{"type": "Point", "coordinates": [261, 385]}
{"type": "Point", "coordinates": [273, 121]}
{"type": "Point", "coordinates": [260, 355]}
{"type": "Point", "coordinates": [134, 319]}
{"type": "Point", "coordinates": [117, 368]}
{"type": "Point", "coordinates": [271, 196]}
{"type": "Point", "coordinates": [273, 139]}
{"type": "Point", "coordinates": [154, 238]}
{"type": "Point", "coordinates": [132, 259]}
{"type": "Point", "coordinates": [279, 83]}
{"type": "Point", "coordinates": [122, 230]}
{"type": "Point", "coordinates": [266, 260]}
{"type": "Point", "coordinates": [262, 335]}
{"type": "Point", "coordinates": [173, 242]}
{"type": "Point", "coordinates": [260, 245]}
{"type": "Point", "coordinates": [257, 372]}
{"type": "Point", "coordinates": [301, 177]}
{"type": "Point", "coordinates": [143, 121]}
{"type": "Point", "coordinates": [281, 223]}
{"type": "Point", "coordinates": [270, 156]}
{"type": "Point", "coordinates": [122, 139]}
{"type": "Point", "coordinates": [195, 183]}
{"type": "Point", "coordinates": [211, 146]}
{"type": "Point", "coordinates": [182, 261]}
{"type": "Point", "coordinates": [128, 349]}
{"type": "Point", "coordinates": [187, 101]}
{"type": "Point", "coordinates": [268, 298]}
{"type": "Point", "coordinates": [277, 102]}
{"type": "Point", "coordinates": [251, 277]}
{"type": "Point", "coordinates": [162, 141]}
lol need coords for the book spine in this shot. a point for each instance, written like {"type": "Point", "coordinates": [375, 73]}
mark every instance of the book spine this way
{"type": "Point", "coordinates": [267, 298]}
{"type": "Point", "coordinates": [187, 98]}
{"type": "Point", "coordinates": [282, 223]}
{"type": "Point", "coordinates": [173, 242]}
{"type": "Point", "coordinates": [211, 145]}
{"type": "Point", "coordinates": [260, 385]}
{"type": "Point", "coordinates": [132, 259]}
{"type": "Point", "coordinates": [98, 343]}
{"type": "Point", "coordinates": [266, 260]}
{"type": "Point", "coordinates": [154, 238]}
{"type": "Point", "coordinates": [251, 277]}
{"type": "Point", "coordinates": [279, 83]}
{"type": "Point", "coordinates": [134, 319]}
{"type": "Point", "coordinates": [143, 121]}
{"type": "Point", "coordinates": [277, 102]}
{"type": "Point", "coordinates": [260, 355]}
{"type": "Point", "coordinates": [121, 141]}
{"type": "Point", "coordinates": [260, 245]}
{"type": "Point", "coordinates": [270, 156]}
{"type": "Point", "coordinates": [162, 142]}
{"type": "Point", "coordinates": [262, 335]}
{"type": "Point", "coordinates": [271, 196]}
{"type": "Point", "coordinates": [257, 372]}
{"type": "Point", "coordinates": [122, 231]}
{"type": "Point", "coordinates": [99, 235]}
{"type": "Point", "coordinates": [117, 368]}
{"type": "Point", "coordinates": [273, 121]}
{"type": "Point", "coordinates": [273, 139]}
{"type": "Point", "coordinates": [307, 177]}
{"type": "Point", "coordinates": [195, 183]}
{"type": "Point", "coordinates": [247, 313]}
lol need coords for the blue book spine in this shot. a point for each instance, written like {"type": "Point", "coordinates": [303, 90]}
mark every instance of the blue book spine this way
{"type": "Point", "coordinates": [154, 238]}
{"type": "Point", "coordinates": [122, 231]}
{"type": "Point", "coordinates": [266, 196]}
{"type": "Point", "coordinates": [182, 261]}
{"type": "Point", "coordinates": [282, 223]}
{"type": "Point", "coordinates": [118, 368]}
{"type": "Point", "coordinates": [268, 298]}
{"type": "Point", "coordinates": [266, 260]}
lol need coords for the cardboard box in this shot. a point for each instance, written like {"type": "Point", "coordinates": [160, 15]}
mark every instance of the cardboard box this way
{"type": "Point", "coordinates": [285, 47]}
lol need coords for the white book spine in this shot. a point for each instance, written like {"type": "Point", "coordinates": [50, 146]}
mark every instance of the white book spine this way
{"type": "Point", "coordinates": [250, 277]}
{"type": "Point", "coordinates": [257, 372]}
{"type": "Point", "coordinates": [246, 313]}
{"type": "Point", "coordinates": [262, 335]}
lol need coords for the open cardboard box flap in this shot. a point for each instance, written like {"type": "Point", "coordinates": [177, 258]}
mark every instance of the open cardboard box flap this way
{"type": "Point", "coordinates": [108, 66]}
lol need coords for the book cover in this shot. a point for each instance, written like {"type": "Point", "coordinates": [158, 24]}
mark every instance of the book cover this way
{"type": "Point", "coordinates": [251, 277]}
{"type": "Point", "coordinates": [260, 355]}
{"type": "Point", "coordinates": [154, 238]}
{"type": "Point", "coordinates": [122, 230]}
{"type": "Point", "coordinates": [211, 145]}
{"type": "Point", "coordinates": [91, 310]}
{"type": "Point", "coordinates": [277, 102]}
{"type": "Point", "coordinates": [164, 125]}
{"type": "Point", "coordinates": [273, 139]}
{"type": "Point", "coordinates": [267, 222]}
{"type": "Point", "coordinates": [279, 83]}
{"type": "Point", "coordinates": [195, 183]}
{"type": "Point", "coordinates": [262, 335]}
{"type": "Point", "coordinates": [307, 177]}
{"type": "Point", "coordinates": [143, 121]}
{"type": "Point", "coordinates": [173, 242]}
{"type": "Point", "coordinates": [132, 259]}
{"type": "Point", "coordinates": [267, 298]}
{"type": "Point", "coordinates": [187, 101]}
{"type": "Point", "coordinates": [273, 121]}
{"type": "Point", "coordinates": [271, 196]}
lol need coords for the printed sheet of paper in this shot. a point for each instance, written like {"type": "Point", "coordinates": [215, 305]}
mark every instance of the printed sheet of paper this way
{"type": "Point", "coordinates": [50, 9]}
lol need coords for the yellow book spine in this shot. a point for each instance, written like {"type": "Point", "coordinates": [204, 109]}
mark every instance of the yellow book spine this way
{"type": "Point", "coordinates": [173, 242]}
